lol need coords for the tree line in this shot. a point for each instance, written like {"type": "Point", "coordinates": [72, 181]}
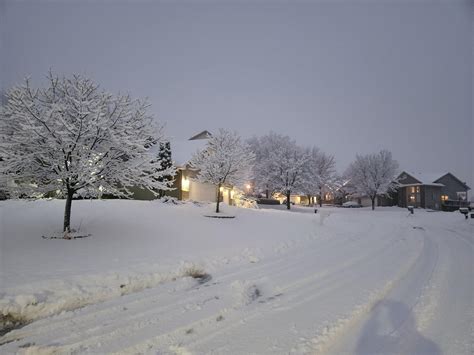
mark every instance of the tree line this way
{"type": "Point", "coordinates": [78, 140]}
{"type": "Point", "coordinates": [276, 163]}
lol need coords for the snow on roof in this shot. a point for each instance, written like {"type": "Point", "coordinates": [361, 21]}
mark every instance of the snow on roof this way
{"type": "Point", "coordinates": [427, 178]}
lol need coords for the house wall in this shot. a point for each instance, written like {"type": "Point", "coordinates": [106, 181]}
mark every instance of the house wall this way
{"type": "Point", "coordinates": [142, 194]}
{"type": "Point", "coordinates": [451, 186]}
{"type": "Point", "coordinates": [402, 197]}
{"type": "Point", "coordinates": [199, 191]}
{"type": "Point", "coordinates": [407, 192]}
{"type": "Point", "coordinates": [431, 197]}
{"type": "Point", "coordinates": [365, 201]}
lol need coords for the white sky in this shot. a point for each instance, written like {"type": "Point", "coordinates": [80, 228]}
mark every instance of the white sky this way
{"type": "Point", "coordinates": [348, 76]}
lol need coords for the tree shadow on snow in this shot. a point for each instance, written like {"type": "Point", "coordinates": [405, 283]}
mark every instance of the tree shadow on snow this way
{"type": "Point", "coordinates": [392, 330]}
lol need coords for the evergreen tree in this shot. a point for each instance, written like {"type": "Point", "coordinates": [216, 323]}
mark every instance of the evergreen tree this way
{"type": "Point", "coordinates": [165, 164]}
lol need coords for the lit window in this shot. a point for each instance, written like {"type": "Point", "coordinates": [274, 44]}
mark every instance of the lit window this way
{"type": "Point", "coordinates": [444, 197]}
{"type": "Point", "coordinates": [412, 198]}
{"type": "Point", "coordinates": [412, 189]}
{"type": "Point", "coordinates": [184, 184]}
{"type": "Point", "coordinates": [418, 189]}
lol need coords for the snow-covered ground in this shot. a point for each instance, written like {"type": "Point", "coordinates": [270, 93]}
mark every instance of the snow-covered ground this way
{"type": "Point", "coordinates": [339, 281]}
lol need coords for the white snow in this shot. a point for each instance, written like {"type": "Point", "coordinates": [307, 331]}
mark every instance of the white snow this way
{"type": "Point", "coordinates": [341, 281]}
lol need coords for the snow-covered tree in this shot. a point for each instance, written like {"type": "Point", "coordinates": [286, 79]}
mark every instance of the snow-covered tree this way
{"type": "Point", "coordinates": [325, 170]}
{"type": "Point", "coordinates": [318, 174]}
{"type": "Point", "coordinates": [164, 163]}
{"type": "Point", "coordinates": [263, 147]}
{"type": "Point", "coordinates": [75, 139]}
{"type": "Point", "coordinates": [340, 188]}
{"type": "Point", "coordinates": [286, 166]}
{"type": "Point", "coordinates": [226, 159]}
{"type": "Point", "coordinates": [373, 174]}
{"type": "Point", "coordinates": [309, 182]}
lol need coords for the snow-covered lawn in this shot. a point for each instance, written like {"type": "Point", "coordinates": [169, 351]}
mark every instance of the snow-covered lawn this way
{"type": "Point", "coordinates": [339, 281]}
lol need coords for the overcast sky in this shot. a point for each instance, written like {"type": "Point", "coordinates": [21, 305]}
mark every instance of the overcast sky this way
{"type": "Point", "coordinates": [347, 76]}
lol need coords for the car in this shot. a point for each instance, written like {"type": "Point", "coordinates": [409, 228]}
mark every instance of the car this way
{"type": "Point", "coordinates": [351, 204]}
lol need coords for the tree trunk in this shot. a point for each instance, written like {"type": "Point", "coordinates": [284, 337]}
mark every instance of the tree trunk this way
{"type": "Point", "coordinates": [288, 200]}
{"type": "Point", "coordinates": [67, 211]}
{"type": "Point", "coordinates": [320, 197]}
{"type": "Point", "coordinates": [218, 197]}
{"type": "Point", "coordinates": [309, 200]}
{"type": "Point", "coordinates": [373, 203]}
{"type": "Point", "coordinates": [267, 193]}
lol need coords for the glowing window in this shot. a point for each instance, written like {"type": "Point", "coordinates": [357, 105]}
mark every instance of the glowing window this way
{"type": "Point", "coordinates": [444, 197]}
{"type": "Point", "coordinates": [184, 184]}
{"type": "Point", "coordinates": [412, 198]}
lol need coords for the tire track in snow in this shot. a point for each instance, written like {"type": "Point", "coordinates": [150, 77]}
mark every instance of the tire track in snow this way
{"type": "Point", "coordinates": [276, 261]}
{"type": "Point", "coordinates": [403, 290]}
{"type": "Point", "coordinates": [286, 263]}
{"type": "Point", "coordinates": [275, 265]}
{"type": "Point", "coordinates": [314, 289]}
{"type": "Point", "coordinates": [322, 342]}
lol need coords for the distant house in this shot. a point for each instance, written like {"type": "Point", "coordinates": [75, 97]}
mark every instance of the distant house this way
{"type": "Point", "coordinates": [439, 191]}
{"type": "Point", "coordinates": [185, 186]}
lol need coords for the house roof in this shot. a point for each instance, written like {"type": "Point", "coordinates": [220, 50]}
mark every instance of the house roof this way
{"type": "Point", "coordinates": [202, 135]}
{"type": "Point", "coordinates": [430, 178]}
{"type": "Point", "coordinates": [426, 178]}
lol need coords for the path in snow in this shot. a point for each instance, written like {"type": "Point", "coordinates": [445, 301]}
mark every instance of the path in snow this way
{"type": "Point", "coordinates": [380, 286]}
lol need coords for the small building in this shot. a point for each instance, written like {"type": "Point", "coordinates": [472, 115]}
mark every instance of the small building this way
{"type": "Point", "coordinates": [437, 191]}
{"type": "Point", "coordinates": [186, 187]}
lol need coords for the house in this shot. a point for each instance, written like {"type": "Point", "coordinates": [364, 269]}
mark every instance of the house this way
{"type": "Point", "coordinates": [186, 187]}
{"type": "Point", "coordinates": [438, 191]}
{"type": "Point", "coordinates": [348, 192]}
{"type": "Point", "coordinates": [295, 198]}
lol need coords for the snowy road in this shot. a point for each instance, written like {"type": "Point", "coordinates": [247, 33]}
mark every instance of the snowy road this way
{"type": "Point", "coordinates": [394, 284]}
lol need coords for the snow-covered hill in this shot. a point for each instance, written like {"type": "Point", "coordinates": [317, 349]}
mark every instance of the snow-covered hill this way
{"type": "Point", "coordinates": [342, 280]}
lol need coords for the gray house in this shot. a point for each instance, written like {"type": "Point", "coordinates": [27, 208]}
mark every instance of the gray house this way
{"type": "Point", "coordinates": [442, 191]}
